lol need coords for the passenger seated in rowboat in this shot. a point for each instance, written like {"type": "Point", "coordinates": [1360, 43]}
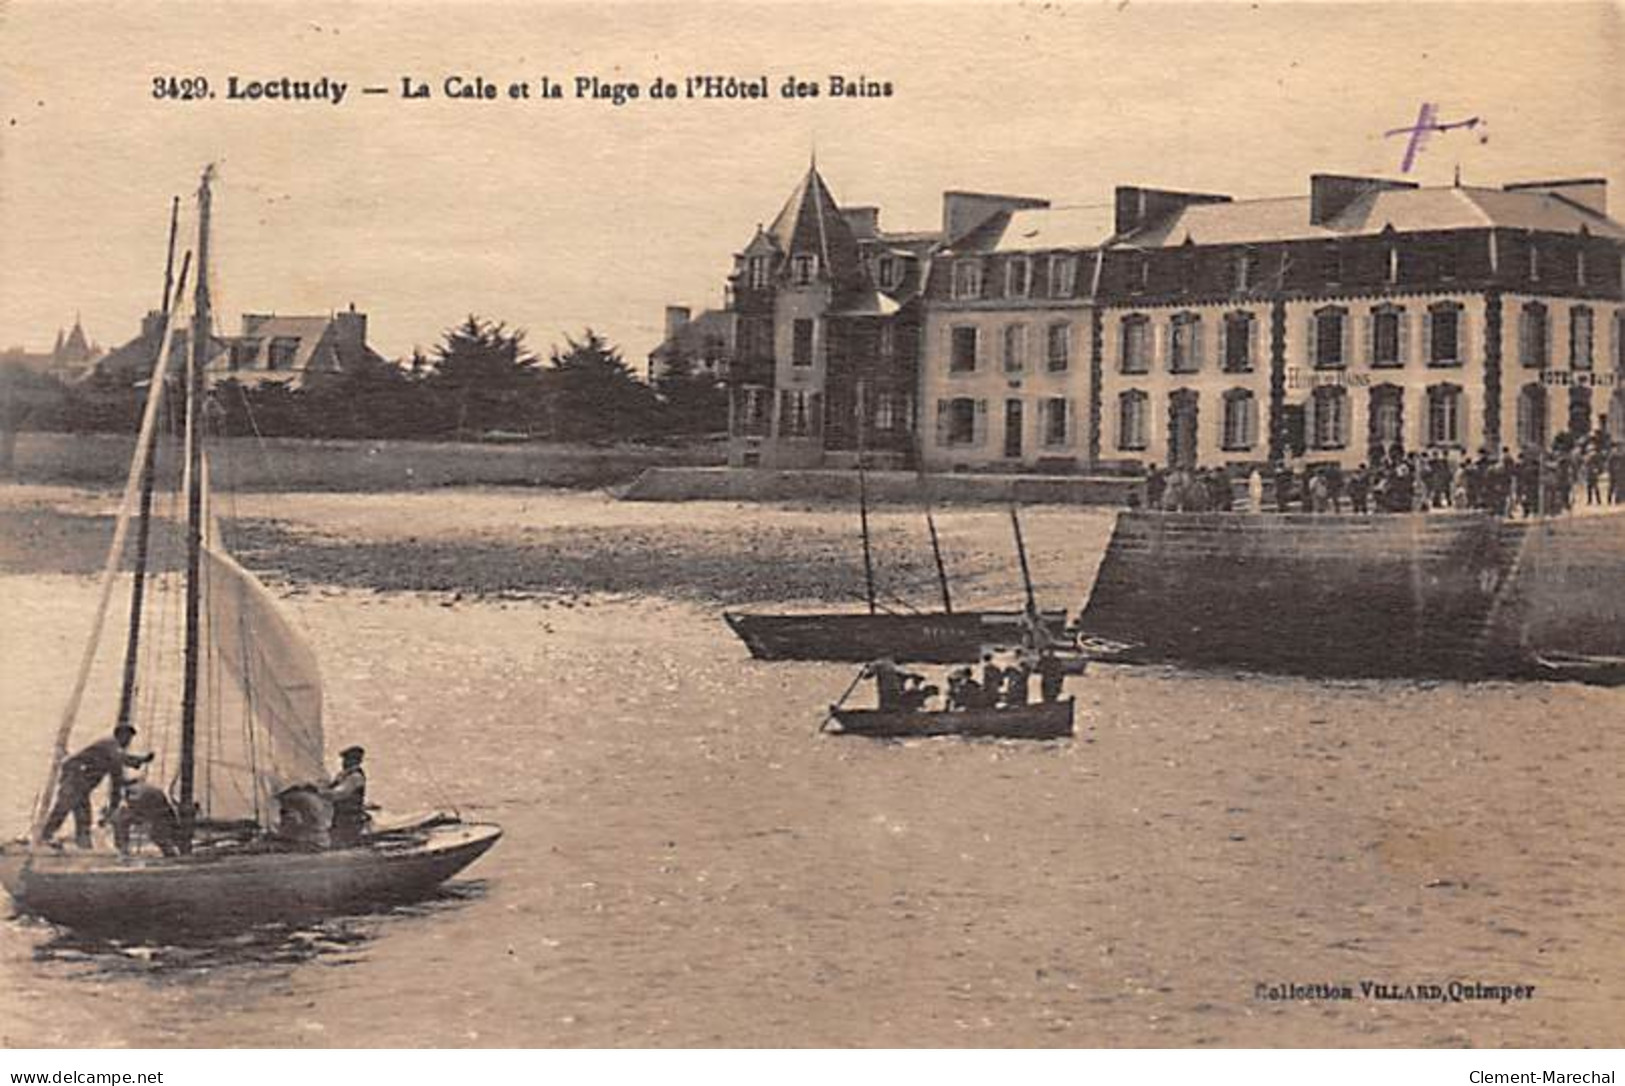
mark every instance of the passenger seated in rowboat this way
{"type": "Point", "coordinates": [1051, 676]}
{"type": "Point", "coordinates": [916, 695]}
{"type": "Point", "coordinates": [1017, 683]}
{"type": "Point", "coordinates": [964, 692]}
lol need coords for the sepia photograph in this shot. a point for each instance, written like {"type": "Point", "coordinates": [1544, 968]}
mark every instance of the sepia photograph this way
{"type": "Point", "coordinates": [782, 525]}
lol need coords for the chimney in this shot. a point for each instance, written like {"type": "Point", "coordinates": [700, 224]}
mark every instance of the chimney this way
{"type": "Point", "coordinates": [864, 221]}
{"type": "Point", "coordinates": [152, 325]}
{"type": "Point", "coordinates": [676, 318]}
{"type": "Point", "coordinates": [349, 333]}
{"type": "Point", "coordinates": [1590, 193]}
{"type": "Point", "coordinates": [963, 212]}
{"type": "Point", "coordinates": [1330, 193]}
{"type": "Point", "coordinates": [1136, 207]}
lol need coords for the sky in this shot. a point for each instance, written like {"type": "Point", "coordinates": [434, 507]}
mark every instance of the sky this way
{"type": "Point", "coordinates": [553, 216]}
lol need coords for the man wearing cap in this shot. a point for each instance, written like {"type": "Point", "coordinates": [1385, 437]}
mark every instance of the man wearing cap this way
{"type": "Point", "coordinates": [348, 795]}
{"type": "Point", "coordinates": [80, 775]}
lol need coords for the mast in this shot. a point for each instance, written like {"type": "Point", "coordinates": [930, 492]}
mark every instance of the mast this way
{"type": "Point", "coordinates": [863, 510]}
{"type": "Point", "coordinates": [194, 515]}
{"type": "Point", "coordinates": [144, 517]}
{"type": "Point", "coordinates": [930, 520]}
{"type": "Point", "coordinates": [1021, 551]}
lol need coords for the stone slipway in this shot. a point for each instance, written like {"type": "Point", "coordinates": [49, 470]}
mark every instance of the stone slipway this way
{"type": "Point", "coordinates": [678, 484]}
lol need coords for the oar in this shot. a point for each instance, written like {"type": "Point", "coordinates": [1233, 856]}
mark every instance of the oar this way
{"type": "Point", "coordinates": [824, 727]}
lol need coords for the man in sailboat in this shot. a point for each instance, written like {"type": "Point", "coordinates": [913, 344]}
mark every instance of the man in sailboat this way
{"type": "Point", "coordinates": [147, 807]}
{"type": "Point", "coordinates": [348, 795]}
{"type": "Point", "coordinates": [81, 773]}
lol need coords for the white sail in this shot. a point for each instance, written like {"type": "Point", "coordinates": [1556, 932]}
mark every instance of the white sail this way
{"type": "Point", "coordinates": [259, 725]}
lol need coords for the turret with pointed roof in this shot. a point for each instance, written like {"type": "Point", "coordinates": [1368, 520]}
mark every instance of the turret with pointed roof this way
{"type": "Point", "coordinates": [812, 224]}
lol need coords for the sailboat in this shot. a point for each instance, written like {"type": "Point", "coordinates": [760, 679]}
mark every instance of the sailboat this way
{"type": "Point", "coordinates": [250, 726]}
{"type": "Point", "coordinates": [928, 637]}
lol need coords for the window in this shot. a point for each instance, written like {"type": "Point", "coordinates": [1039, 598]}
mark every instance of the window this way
{"type": "Point", "coordinates": [1532, 417]}
{"type": "Point", "coordinates": [803, 269]}
{"type": "Point", "coordinates": [283, 350]}
{"type": "Point", "coordinates": [1240, 266]}
{"type": "Point", "coordinates": [1331, 263]}
{"type": "Point", "coordinates": [1580, 338]}
{"type": "Point", "coordinates": [956, 421]}
{"type": "Point", "coordinates": [1534, 260]}
{"type": "Point", "coordinates": [1329, 328]}
{"type": "Point", "coordinates": [886, 272]}
{"type": "Point", "coordinates": [1386, 328]}
{"type": "Point", "coordinates": [1055, 421]}
{"type": "Point", "coordinates": [756, 339]}
{"type": "Point", "coordinates": [800, 413]}
{"type": "Point", "coordinates": [1446, 258]}
{"type": "Point", "coordinates": [1393, 263]}
{"type": "Point", "coordinates": [1136, 355]}
{"type": "Point", "coordinates": [1015, 347]}
{"type": "Point", "coordinates": [1063, 276]}
{"type": "Point", "coordinates": [968, 279]}
{"type": "Point", "coordinates": [757, 273]}
{"type": "Point", "coordinates": [1329, 425]}
{"type": "Point", "coordinates": [888, 340]}
{"type": "Point", "coordinates": [243, 353]}
{"type": "Point", "coordinates": [1580, 410]}
{"type": "Point", "coordinates": [1184, 343]}
{"type": "Point", "coordinates": [1240, 424]}
{"type": "Point", "coordinates": [891, 411]}
{"type": "Point", "coordinates": [1017, 277]}
{"type": "Point", "coordinates": [1534, 336]}
{"type": "Point", "coordinates": [1444, 415]}
{"type": "Point", "coordinates": [1059, 353]}
{"type": "Point", "coordinates": [802, 345]}
{"type": "Point", "coordinates": [1254, 266]}
{"type": "Point", "coordinates": [1141, 274]}
{"type": "Point", "coordinates": [963, 349]}
{"type": "Point", "coordinates": [1387, 422]}
{"type": "Point", "coordinates": [1580, 267]}
{"type": "Point", "coordinates": [1238, 342]}
{"type": "Point", "coordinates": [1133, 415]}
{"type": "Point", "coordinates": [1444, 334]}
{"type": "Point", "coordinates": [751, 406]}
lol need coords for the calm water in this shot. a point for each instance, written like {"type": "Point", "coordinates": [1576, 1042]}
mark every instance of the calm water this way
{"type": "Point", "coordinates": [689, 862]}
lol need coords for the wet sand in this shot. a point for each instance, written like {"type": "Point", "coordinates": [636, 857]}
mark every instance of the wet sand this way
{"type": "Point", "coordinates": [689, 862]}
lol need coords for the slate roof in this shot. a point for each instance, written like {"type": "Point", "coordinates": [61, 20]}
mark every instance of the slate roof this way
{"type": "Point", "coordinates": [1406, 210]}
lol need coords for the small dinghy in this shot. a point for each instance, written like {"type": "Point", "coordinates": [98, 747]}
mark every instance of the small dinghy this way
{"type": "Point", "coordinates": [1043, 720]}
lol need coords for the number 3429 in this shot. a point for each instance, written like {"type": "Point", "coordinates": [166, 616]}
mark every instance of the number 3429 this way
{"type": "Point", "coordinates": [181, 89]}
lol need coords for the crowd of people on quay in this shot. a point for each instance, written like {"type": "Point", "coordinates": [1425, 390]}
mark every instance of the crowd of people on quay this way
{"type": "Point", "coordinates": [1534, 482]}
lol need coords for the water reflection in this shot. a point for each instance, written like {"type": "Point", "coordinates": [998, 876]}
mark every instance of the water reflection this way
{"type": "Point", "coordinates": [332, 941]}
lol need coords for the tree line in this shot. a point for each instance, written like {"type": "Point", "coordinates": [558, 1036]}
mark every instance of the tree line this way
{"type": "Point", "coordinates": [480, 383]}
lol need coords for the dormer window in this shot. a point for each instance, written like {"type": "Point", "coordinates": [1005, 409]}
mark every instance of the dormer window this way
{"type": "Point", "coordinates": [803, 269]}
{"type": "Point", "coordinates": [1017, 277]}
{"type": "Point", "coordinates": [1447, 258]}
{"type": "Point", "coordinates": [756, 270]}
{"type": "Point", "coordinates": [1580, 267]}
{"type": "Point", "coordinates": [968, 278]}
{"type": "Point", "coordinates": [1393, 263]}
{"type": "Point", "coordinates": [1063, 276]}
{"type": "Point", "coordinates": [1534, 261]}
{"type": "Point", "coordinates": [1331, 264]}
{"type": "Point", "coordinates": [888, 272]}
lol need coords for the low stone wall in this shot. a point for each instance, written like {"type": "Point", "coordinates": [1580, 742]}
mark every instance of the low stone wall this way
{"type": "Point", "coordinates": [673, 484]}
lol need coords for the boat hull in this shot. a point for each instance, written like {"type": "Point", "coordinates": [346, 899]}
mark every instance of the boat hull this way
{"type": "Point", "coordinates": [1043, 720]}
{"type": "Point", "coordinates": [1436, 595]}
{"type": "Point", "coordinates": [98, 891]}
{"type": "Point", "coordinates": [936, 638]}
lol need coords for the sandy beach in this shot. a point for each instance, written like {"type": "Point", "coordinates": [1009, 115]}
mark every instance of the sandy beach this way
{"type": "Point", "coordinates": [688, 861]}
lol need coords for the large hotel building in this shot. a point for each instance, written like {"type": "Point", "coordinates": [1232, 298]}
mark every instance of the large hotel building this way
{"type": "Point", "coordinates": [1178, 328]}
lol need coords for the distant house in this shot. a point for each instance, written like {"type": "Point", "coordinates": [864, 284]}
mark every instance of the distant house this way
{"type": "Point", "coordinates": [300, 351]}
{"type": "Point", "coordinates": [705, 343]}
{"type": "Point", "coordinates": [70, 359]}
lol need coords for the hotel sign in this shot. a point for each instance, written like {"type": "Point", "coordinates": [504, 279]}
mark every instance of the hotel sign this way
{"type": "Point", "coordinates": [1298, 378]}
{"type": "Point", "coordinates": [1580, 379]}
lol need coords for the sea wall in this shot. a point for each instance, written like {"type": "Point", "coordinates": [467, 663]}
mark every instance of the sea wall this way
{"type": "Point", "coordinates": [1313, 595]}
{"type": "Point", "coordinates": [755, 484]}
{"type": "Point", "coordinates": [1570, 590]}
{"type": "Point", "coordinates": [297, 464]}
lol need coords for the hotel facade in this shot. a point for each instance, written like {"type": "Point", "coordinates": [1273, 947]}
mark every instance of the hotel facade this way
{"type": "Point", "coordinates": [1180, 328]}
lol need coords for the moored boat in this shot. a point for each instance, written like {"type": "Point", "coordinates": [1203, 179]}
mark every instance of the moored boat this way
{"type": "Point", "coordinates": [1039, 720]}
{"type": "Point", "coordinates": [931, 638]}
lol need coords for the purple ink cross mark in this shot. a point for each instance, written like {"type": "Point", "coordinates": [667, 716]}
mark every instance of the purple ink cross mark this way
{"type": "Point", "coordinates": [1427, 122]}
